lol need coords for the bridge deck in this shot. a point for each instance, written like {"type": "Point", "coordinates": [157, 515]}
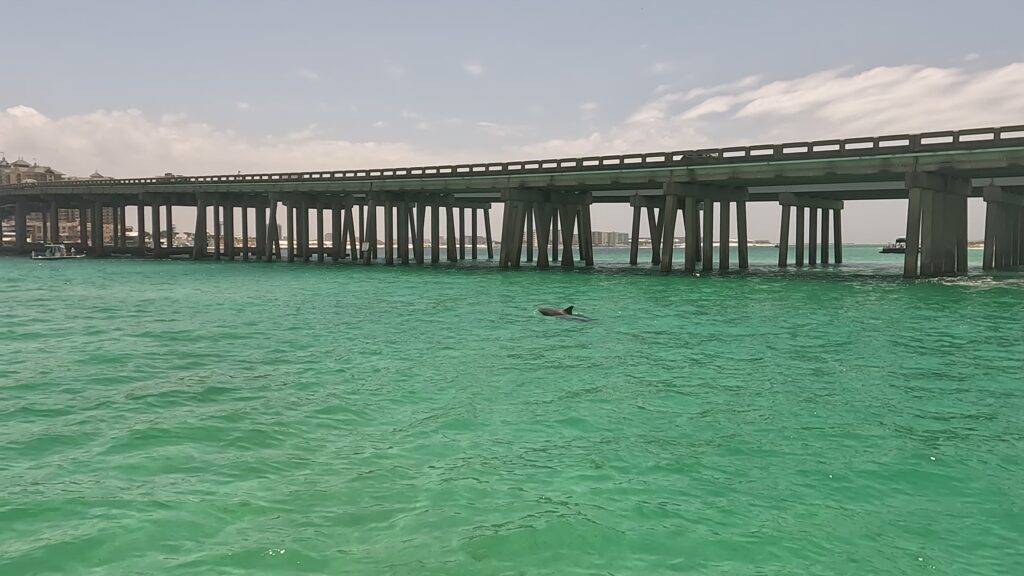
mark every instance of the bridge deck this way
{"type": "Point", "coordinates": [978, 153]}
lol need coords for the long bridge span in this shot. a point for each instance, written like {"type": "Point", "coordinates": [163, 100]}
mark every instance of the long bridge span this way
{"type": "Point", "coordinates": [547, 203]}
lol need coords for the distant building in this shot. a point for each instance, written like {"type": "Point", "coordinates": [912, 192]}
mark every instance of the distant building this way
{"type": "Point", "coordinates": [609, 238]}
{"type": "Point", "coordinates": [21, 172]}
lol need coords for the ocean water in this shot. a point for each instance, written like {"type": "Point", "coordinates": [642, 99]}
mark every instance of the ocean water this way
{"type": "Point", "coordinates": [174, 417]}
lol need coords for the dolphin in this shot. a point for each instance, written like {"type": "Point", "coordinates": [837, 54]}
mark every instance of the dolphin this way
{"type": "Point", "coordinates": [562, 313]}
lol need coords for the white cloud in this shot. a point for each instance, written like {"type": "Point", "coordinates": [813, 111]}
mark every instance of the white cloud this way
{"type": "Point", "coordinates": [244, 106]}
{"type": "Point", "coordinates": [971, 57]}
{"type": "Point", "coordinates": [660, 67]}
{"type": "Point", "coordinates": [311, 75]}
{"type": "Point", "coordinates": [826, 104]}
{"type": "Point", "coordinates": [127, 143]}
{"type": "Point", "coordinates": [473, 68]}
{"type": "Point", "coordinates": [380, 124]}
{"type": "Point", "coordinates": [589, 109]}
{"type": "Point", "coordinates": [501, 130]}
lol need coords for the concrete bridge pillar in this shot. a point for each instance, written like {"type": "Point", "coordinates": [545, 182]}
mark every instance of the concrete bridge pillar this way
{"type": "Point", "coordinates": [541, 210]}
{"type": "Point", "coordinates": [54, 222]}
{"type": "Point", "coordinates": [1004, 227]}
{"type": "Point", "coordinates": [199, 244]}
{"type": "Point", "coordinates": [244, 209]}
{"type": "Point", "coordinates": [229, 230]}
{"type": "Point", "coordinates": [140, 228]}
{"type": "Point", "coordinates": [96, 247]}
{"type": "Point", "coordinates": [688, 197]}
{"type": "Point", "coordinates": [936, 225]}
{"type": "Point", "coordinates": [419, 251]}
{"type": "Point", "coordinates": [83, 229]}
{"type": "Point", "coordinates": [449, 217]}
{"type": "Point", "coordinates": [473, 218]}
{"type": "Point", "coordinates": [807, 209]}
{"type": "Point", "coordinates": [20, 225]}
{"type": "Point", "coordinates": [369, 235]}
{"type": "Point", "coordinates": [170, 225]}
{"type": "Point", "coordinates": [260, 212]}
{"type": "Point", "coordinates": [272, 243]}
{"type": "Point", "coordinates": [435, 232]}
{"type": "Point", "coordinates": [487, 233]}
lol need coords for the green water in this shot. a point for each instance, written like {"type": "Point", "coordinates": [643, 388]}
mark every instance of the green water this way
{"type": "Point", "coordinates": [244, 418]}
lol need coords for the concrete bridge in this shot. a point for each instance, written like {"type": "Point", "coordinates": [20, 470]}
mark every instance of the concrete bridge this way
{"type": "Point", "coordinates": [545, 201]}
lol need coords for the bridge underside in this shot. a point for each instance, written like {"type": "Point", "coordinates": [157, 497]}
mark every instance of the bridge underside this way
{"type": "Point", "coordinates": [547, 205]}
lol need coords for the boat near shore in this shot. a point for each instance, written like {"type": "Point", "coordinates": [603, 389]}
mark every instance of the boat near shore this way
{"type": "Point", "coordinates": [897, 247]}
{"type": "Point", "coordinates": [55, 252]}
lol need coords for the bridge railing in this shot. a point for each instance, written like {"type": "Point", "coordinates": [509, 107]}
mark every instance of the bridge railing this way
{"type": "Point", "coordinates": [948, 140]}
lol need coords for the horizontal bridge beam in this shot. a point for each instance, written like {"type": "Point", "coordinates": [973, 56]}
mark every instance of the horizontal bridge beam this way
{"type": "Point", "coordinates": [802, 201]}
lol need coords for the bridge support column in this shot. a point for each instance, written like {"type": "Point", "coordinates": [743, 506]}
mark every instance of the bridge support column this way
{"type": "Point", "coordinates": [218, 221]}
{"type": "Point", "coordinates": [389, 232]}
{"type": "Point", "coordinates": [555, 235]}
{"type": "Point", "coordinates": [170, 225]}
{"type": "Point", "coordinates": [656, 224]}
{"type": "Point", "coordinates": [115, 226]}
{"type": "Point", "coordinates": [824, 236]}
{"type": "Point", "coordinates": [837, 240]}
{"type": "Point", "coordinates": [784, 235]}
{"type": "Point", "coordinates": [140, 229]}
{"type": "Point", "coordinates": [462, 233]}
{"type": "Point", "coordinates": [688, 197]}
{"type": "Point", "coordinates": [260, 212]}
{"type": "Point", "coordinates": [370, 230]}
{"type": "Point", "coordinates": [724, 215]}
{"type": "Point", "coordinates": [271, 244]}
{"type": "Point", "coordinates": [83, 230]}
{"type": "Point", "coordinates": [421, 230]}
{"type": "Point", "coordinates": [449, 217]}
{"type": "Point", "coordinates": [813, 205]}
{"type": "Point", "coordinates": [487, 232]}
{"type": "Point", "coordinates": [634, 233]}
{"type": "Point", "coordinates": [473, 219]}
{"type": "Point", "coordinates": [937, 221]}
{"type": "Point", "coordinates": [199, 235]}
{"type": "Point", "coordinates": [54, 223]}
{"type": "Point", "coordinates": [586, 234]}
{"type": "Point", "coordinates": [403, 231]}
{"type": "Point", "coordinates": [156, 234]}
{"type": "Point", "coordinates": [20, 225]}
{"type": "Point", "coordinates": [1004, 227]}
{"type": "Point", "coordinates": [349, 230]}
{"type": "Point", "coordinates": [243, 209]}
{"type": "Point", "coordinates": [229, 230]}
{"type": "Point", "coordinates": [96, 247]}
{"type": "Point", "coordinates": [338, 237]}
{"type": "Point", "coordinates": [542, 218]}
{"type": "Point", "coordinates": [435, 232]}
{"type": "Point", "coordinates": [800, 241]}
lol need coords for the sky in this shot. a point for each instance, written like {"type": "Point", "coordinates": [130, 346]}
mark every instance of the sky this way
{"type": "Point", "coordinates": [142, 88]}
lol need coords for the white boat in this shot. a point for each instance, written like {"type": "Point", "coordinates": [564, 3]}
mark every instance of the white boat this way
{"type": "Point", "coordinates": [55, 252]}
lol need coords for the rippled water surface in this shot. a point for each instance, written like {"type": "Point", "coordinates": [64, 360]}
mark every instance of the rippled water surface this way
{"type": "Point", "coordinates": [240, 418]}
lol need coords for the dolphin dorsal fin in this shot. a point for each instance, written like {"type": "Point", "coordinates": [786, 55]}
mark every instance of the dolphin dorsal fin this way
{"type": "Point", "coordinates": [568, 310]}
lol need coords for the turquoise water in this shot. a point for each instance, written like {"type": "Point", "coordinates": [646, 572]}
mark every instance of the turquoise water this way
{"type": "Point", "coordinates": [232, 418]}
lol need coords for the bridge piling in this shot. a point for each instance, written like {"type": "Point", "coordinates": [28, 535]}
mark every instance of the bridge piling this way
{"type": "Point", "coordinates": [724, 218]}
{"type": "Point", "coordinates": [487, 232]}
{"type": "Point", "coordinates": [462, 233]}
{"type": "Point", "coordinates": [824, 236]}
{"type": "Point", "coordinates": [140, 229]}
{"type": "Point", "coordinates": [1004, 227]}
{"type": "Point", "coordinates": [389, 242]}
{"type": "Point", "coordinates": [169, 212]}
{"type": "Point", "coordinates": [707, 263]}
{"type": "Point", "coordinates": [473, 231]}
{"type": "Point", "coordinates": [449, 217]}
{"type": "Point", "coordinates": [800, 239]}
{"type": "Point", "coordinates": [421, 221]}
{"type": "Point", "coordinates": [634, 235]}
{"type": "Point", "coordinates": [543, 224]}
{"type": "Point", "coordinates": [199, 235]}
{"type": "Point", "coordinates": [554, 232]}
{"type": "Point", "coordinates": [435, 232]}
{"type": "Point", "coordinates": [938, 209]}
